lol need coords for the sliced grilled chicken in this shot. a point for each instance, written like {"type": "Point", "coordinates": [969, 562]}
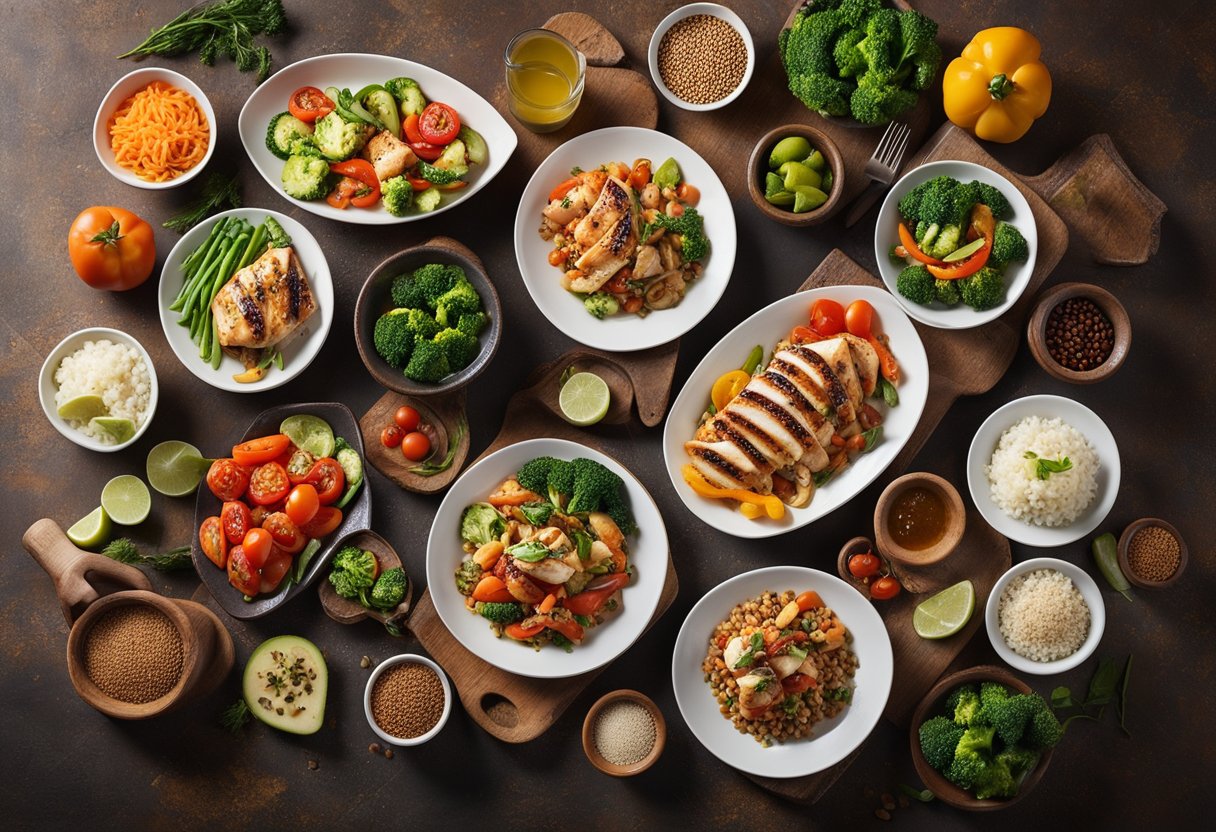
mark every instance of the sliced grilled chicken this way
{"type": "Point", "coordinates": [264, 302]}
{"type": "Point", "coordinates": [836, 352]}
{"type": "Point", "coordinates": [604, 259]}
{"type": "Point", "coordinates": [388, 154]}
{"type": "Point", "coordinates": [738, 428]}
{"type": "Point", "coordinates": [796, 371]}
{"type": "Point", "coordinates": [615, 202]}
{"type": "Point", "coordinates": [723, 464]}
{"type": "Point", "coordinates": [865, 362]}
{"type": "Point", "coordinates": [814, 364]}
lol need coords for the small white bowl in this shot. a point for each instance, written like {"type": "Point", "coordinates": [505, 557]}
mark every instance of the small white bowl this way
{"type": "Point", "coordinates": [123, 89]}
{"type": "Point", "coordinates": [713, 10]}
{"type": "Point", "coordinates": [1093, 599]}
{"type": "Point", "coordinates": [371, 683]}
{"type": "Point", "coordinates": [47, 386]}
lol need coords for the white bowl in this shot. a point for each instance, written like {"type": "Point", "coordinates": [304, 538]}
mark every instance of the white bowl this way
{"type": "Point", "coordinates": [123, 89]}
{"type": "Point", "coordinates": [1073, 413]}
{"type": "Point", "coordinates": [713, 10]}
{"type": "Point", "coordinates": [624, 333]}
{"type": "Point", "coordinates": [648, 556]}
{"type": "Point", "coordinates": [371, 683]}
{"type": "Point", "coordinates": [47, 386]}
{"type": "Point", "coordinates": [299, 348]}
{"type": "Point", "coordinates": [765, 328]}
{"type": "Point", "coordinates": [1089, 591]}
{"type": "Point", "coordinates": [833, 739]}
{"type": "Point", "coordinates": [886, 234]}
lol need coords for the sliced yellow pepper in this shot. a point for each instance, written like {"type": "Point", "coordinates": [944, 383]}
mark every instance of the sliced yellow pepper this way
{"type": "Point", "coordinates": [771, 505]}
{"type": "Point", "coordinates": [727, 387]}
{"type": "Point", "coordinates": [249, 376]}
{"type": "Point", "coordinates": [998, 87]}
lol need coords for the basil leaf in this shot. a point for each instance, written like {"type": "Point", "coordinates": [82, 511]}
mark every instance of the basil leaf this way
{"type": "Point", "coordinates": [538, 513]}
{"type": "Point", "coordinates": [1061, 697]}
{"type": "Point", "coordinates": [755, 645]}
{"type": "Point", "coordinates": [889, 394]}
{"type": "Point", "coordinates": [582, 542]}
{"type": "Point", "coordinates": [1103, 684]}
{"type": "Point", "coordinates": [529, 552]}
{"type": "Point", "coordinates": [872, 436]}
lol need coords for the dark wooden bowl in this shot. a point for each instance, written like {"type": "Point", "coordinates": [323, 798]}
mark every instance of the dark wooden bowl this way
{"type": "Point", "coordinates": [855, 546]}
{"type": "Point", "coordinates": [660, 733]}
{"type": "Point", "coordinates": [374, 301]}
{"type": "Point", "coordinates": [932, 706]}
{"type": "Point", "coordinates": [1125, 540]}
{"type": "Point", "coordinates": [757, 167]}
{"type": "Point", "coordinates": [956, 520]}
{"type": "Point", "coordinates": [1036, 331]}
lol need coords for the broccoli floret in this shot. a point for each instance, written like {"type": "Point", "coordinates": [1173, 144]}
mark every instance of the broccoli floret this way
{"type": "Point", "coordinates": [995, 780]}
{"type": "Point", "coordinates": [389, 589]}
{"type": "Point", "coordinates": [593, 486]}
{"type": "Point", "coordinates": [481, 523]}
{"type": "Point", "coordinates": [880, 44]}
{"type": "Point", "coordinates": [472, 323]}
{"type": "Point", "coordinates": [1043, 730]}
{"type": "Point", "coordinates": [352, 572]}
{"type": "Point", "coordinates": [992, 693]}
{"type": "Point", "coordinates": [429, 363]}
{"type": "Point", "coordinates": [601, 305]}
{"type": "Point", "coordinates": [500, 613]}
{"type": "Point", "coordinates": [461, 347]}
{"type": "Point", "coordinates": [854, 13]}
{"type": "Point", "coordinates": [616, 508]}
{"type": "Point", "coordinates": [963, 704]}
{"type": "Point", "coordinates": [939, 737]}
{"type": "Point", "coordinates": [916, 284]}
{"type": "Point", "coordinates": [972, 754]}
{"type": "Point", "coordinates": [946, 241]}
{"type": "Point", "coordinates": [822, 93]}
{"type": "Point", "coordinates": [1008, 714]}
{"type": "Point", "coordinates": [397, 194]}
{"type": "Point", "coordinates": [1019, 760]}
{"type": "Point", "coordinates": [435, 278]}
{"type": "Point", "coordinates": [467, 576]}
{"type": "Point", "coordinates": [407, 292]}
{"type": "Point", "coordinates": [991, 196]}
{"type": "Point", "coordinates": [305, 177]}
{"type": "Point", "coordinates": [849, 60]}
{"type": "Point", "coordinates": [920, 53]}
{"type": "Point", "coordinates": [691, 230]}
{"type": "Point", "coordinates": [305, 146]}
{"type": "Point", "coordinates": [561, 482]}
{"type": "Point", "coordinates": [947, 292]}
{"type": "Point", "coordinates": [1008, 245]}
{"type": "Point", "coordinates": [876, 100]}
{"type": "Point", "coordinates": [983, 290]}
{"type": "Point", "coordinates": [422, 324]}
{"type": "Point", "coordinates": [806, 47]}
{"type": "Point", "coordinates": [534, 474]}
{"type": "Point", "coordinates": [393, 337]}
{"type": "Point", "coordinates": [338, 139]}
{"type": "Point", "coordinates": [461, 299]}
{"type": "Point", "coordinates": [942, 200]}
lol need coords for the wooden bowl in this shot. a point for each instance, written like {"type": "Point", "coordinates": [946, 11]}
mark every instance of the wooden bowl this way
{"type": "Point", "coordinates": [932, 705]}
{"type": "Point", "coordinates": [1125, 540]}
{"type": "Point", "coordinates": [1036, 331]}
{"type": "Point", "coordinates": [956, 520]}
{"type": "Point", "coordinates": [757, 167]}
{"type": "Point", "coordinates": [374, 301]}
{"type": "Point", "coordinates": [856, 546]}
{"type": "Point", "coordinates": [660, 733]}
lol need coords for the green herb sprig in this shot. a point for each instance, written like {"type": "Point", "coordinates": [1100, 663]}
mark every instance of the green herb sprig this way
{"type": "Point", "coordinates": [218, 191]}
{"type": "Point", "coordinates": [1044, 468]}
{"type": "Point", "coordinates": [1105, 686]}
{"type": "Point", "coordinates": [124, 551]}
{"type": "Point", "coordinates": [235, 716]}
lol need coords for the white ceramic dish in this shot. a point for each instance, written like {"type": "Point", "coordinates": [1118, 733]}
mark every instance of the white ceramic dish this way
{"type": "Point", "coordinates": [713, 10]}
{"type": "Point", "coordinates": [354, 71]}
{"type": "Point", "coordinates": [1073, 413]}
{"type": "Point", "coordinates": [47, 386]}
{"type": "Point", "coordinates": [648, 555]}
{"type": "Point", "coordinates": [371, 683]}
{"type": "Point", "coordinates": [833, 739]}
{"type": "Point", "coordinates": [622, 332]}
{"type": "Point", "coordinates": [299, 348]}
{"type": "Point", "coordinates": [886, 234]}
{"type": "Point", "coordinates": [765, 328]}
{"type": "Point", "coordinates": [1089, 591]}
{"type": "Point", "coordinates": [123, 89]}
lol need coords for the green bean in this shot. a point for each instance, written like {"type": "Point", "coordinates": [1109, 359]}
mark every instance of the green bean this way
{"type": "Point", "coordinates": [204, 279]}
{"type": "Point", "coordinates": [1105, 552]}
{"type": "Point", "coordinates": [197, 257]}
{"type": "Point", "coordinates": [753, 360]}
{"type": "Point", "coordinates": [258, 240]}
{"type": "Point", "coordinates": [217, 352]}
{"type": "Point", "coordinates": [195, 268]}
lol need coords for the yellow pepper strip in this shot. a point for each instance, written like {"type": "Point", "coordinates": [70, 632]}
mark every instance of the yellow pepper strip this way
{"type": "Point", "coordinates": [249, 376]}
{"type": "Point", "coordinates": [772, 506]}
{"type": "Point", "coordinates": [751, 511]}
{"type": "Point", "coordinates": [998, 87]}
{"type": "Point", "coordinates": [727, 387]}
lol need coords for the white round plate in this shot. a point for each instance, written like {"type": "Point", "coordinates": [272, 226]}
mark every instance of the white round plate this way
{"type": "Point", "coordinates": [648, 556]}
{"type": "Point", "coordinates": [765, 328]}
{"type": "Point", "coordinates": [354, 71]}
{"type": "Point", "coordinates": [299, 348]}
{"type": "Point", "coordinates": [623, 332]}
{"type": "Point", "coordinates": [886, 234]}
{"type": "Point", "coordinates": [832, 739]}
{"type": "Point", "coordinates": [1073, 413]}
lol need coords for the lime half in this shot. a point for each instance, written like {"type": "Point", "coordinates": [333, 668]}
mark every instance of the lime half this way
{"type": "Point", "coordinates": [127, 500]}
{"type": "Point", "coordinates": [92, 530]}
{"type": "Point", "coordinates": [82, 408]}
{"type": "Point", "coordinates": [945, 613]}
{"type": "Point", "coordinates": [584, 399]}
{"type": "Point", "coordinates": [117, 428]}
{"type": "Point", "coordinates": [311, 433]}
{"type": "Point", "coordinates": [175, 468]}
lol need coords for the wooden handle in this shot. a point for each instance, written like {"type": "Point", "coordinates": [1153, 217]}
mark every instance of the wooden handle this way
{"type": "Point", "coordinates": [865, 200]}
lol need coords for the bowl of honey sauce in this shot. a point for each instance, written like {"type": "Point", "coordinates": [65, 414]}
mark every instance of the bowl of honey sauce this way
{"type": "Point", "coordinates": [919, 519]}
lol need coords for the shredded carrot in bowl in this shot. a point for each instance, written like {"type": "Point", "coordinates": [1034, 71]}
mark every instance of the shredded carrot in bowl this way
{"type": "Point", "coordinates": [159, 133]}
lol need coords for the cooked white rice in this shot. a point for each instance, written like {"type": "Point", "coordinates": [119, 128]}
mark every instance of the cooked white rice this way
{"type": "Point", "coordinates": [1057, 500]}
{"type": "Point", "coordinates": [115, 372]}
{"type": "Point", "coordinates": [1042, 616]}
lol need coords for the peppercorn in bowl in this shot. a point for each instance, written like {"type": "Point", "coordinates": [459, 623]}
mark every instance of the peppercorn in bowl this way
{"type": "Point", "coordinates": [1079, 333]}
{"type": "Point", "coordinates": [701, 56]}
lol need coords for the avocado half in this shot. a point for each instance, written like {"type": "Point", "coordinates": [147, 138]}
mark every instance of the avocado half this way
{"type": "Point", "coordinates": [285, 684]}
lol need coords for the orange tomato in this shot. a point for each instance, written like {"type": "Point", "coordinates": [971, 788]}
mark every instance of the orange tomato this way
{"type": "Point", "coordinates": [111, 248]}
{"type": "Point", "coordinates": [302, 504]}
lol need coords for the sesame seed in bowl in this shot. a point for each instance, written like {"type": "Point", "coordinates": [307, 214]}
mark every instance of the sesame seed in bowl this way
{"type": "Point", "coordinates": [701, 56]}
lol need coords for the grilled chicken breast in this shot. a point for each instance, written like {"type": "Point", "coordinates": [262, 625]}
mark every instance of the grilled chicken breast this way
{"type": "Point", "coordinates": [264, 302]}
{"type": "Point", "coordinates": [388, 154]}
{"type": "Point", "coordinates": [615, 201]}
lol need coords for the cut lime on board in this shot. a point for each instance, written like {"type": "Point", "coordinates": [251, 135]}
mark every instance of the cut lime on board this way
{"type": "Point", "coordinates": [584, 399]}
{"type": "Point", "coordinates": [127, 500]}
{"type": "Point", "coordinates": [176, 468]}
{"type": "Point", "coordinates": [117, 428]}
{"type": "Point", "coordinates": [945, 613]}
{"type": "Point", "coordinates": [310, 433]}
{"type": "Point", "coordinates": [92, 530]}
{"type": "Point", "coordinates": [82, 408]}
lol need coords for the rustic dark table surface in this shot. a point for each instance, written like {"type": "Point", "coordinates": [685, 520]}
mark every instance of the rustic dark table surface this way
{"type": "Point", "coordinates": [1141, 72]}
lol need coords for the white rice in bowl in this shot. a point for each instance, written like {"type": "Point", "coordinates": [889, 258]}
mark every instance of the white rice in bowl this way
{"type": "Point", "coordinates": [115, 372]}
{"type": "Point", "coordinates": [1043, 616]}
{"type": "Point", "coordinates": [1060, 498]}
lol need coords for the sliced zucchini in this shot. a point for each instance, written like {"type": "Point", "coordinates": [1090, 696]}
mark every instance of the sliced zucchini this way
{"type": "Point", "coordinates": [437, 175]}
{"type": "Point", "coordinates": [453, 160]}
{"type": "Point", "coordinates": [427, 201]}
{"type": "Point", "coordinates": [383, 106]}
{"type": "Point", "coordinates": [283, 130]}
{"type": "Point", "coordinates": [475, 146]}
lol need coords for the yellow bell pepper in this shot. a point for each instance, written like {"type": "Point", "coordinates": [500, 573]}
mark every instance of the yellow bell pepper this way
{"type": "Point", "coordinates": [772, 506]}
{"type": "Point", "coordinates": [998, 87]}
{"type": "Point", "coordinates": [727, 387]}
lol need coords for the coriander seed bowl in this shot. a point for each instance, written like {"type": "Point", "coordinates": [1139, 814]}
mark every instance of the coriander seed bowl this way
{"type": "Point", "coordinates": [660, 60]}
{"type": "Point", "coordinates": [368, 706]}
{"type": "Point", "coordinates": [592, 750]}
{"type": "Point", "coordinates": [1126, 557]}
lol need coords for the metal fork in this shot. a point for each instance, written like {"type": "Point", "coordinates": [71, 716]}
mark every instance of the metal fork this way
{"type": "Point", "coordinates": [881, 168]}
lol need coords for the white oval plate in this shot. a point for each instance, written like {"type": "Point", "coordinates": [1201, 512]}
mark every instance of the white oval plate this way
{"type": "Point", "coordinates": [886, 234]}
{"type": "Point", "coordinates": [765, 328]}
{"type": "Point", "coordinates": [624, 333]}
{"type": "Point", "coordinates": [354, 71]}
{"type": "Point", "coordinates": [1047, 407]}
{"type": "Point", "coordinates": [299, 348]}
{"type": "Point", "coordinates": [833, 739]}
{"type": "Point", "coordinates": [648, 555]}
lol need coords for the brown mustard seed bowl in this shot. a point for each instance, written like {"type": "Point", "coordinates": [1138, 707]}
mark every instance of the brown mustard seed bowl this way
{"type": "Point", "coordinates": [712, 10]}
{"type": "Point", "coordinates": [932, 705]}
{"type": "Point", "coordinates": [757, 167]}
{"type": "Point", "coordinates": [1036, 331]}
{"type": "Point", "coordinates": [1124, 549]}
{"type": "Point", "coordinates": [952, 533]}
{"type": "Point", "coordinates": [660, 733]}
{"type": "Point", "coordinates": [407, 658]}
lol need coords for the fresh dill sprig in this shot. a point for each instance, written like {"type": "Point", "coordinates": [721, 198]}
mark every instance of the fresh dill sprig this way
{"type": "Point", "coordinates": [235, 716]}
{"type": "Point", "coordinates": [124, 551]}
{"type": "Point", "coordinates": [219, 190]}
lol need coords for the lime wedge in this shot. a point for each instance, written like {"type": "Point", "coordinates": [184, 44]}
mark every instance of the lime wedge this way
{"type": "Point", "coordinates": [311, 433]}
{"type": "Point", "coordinates": [945, 613]}
{"type": "Point", "coordinates": [584, 399]}
{"type": "Point", "coordinates": [82, 408]}
{"type": "Point", "coordinates": [92, 530]}
{"type": "Point", "coordinates": [175, 468]}
{"type": "Point", "coordinates": [118, 429]}
{"type": "Point", "coordinates": [127, 500]}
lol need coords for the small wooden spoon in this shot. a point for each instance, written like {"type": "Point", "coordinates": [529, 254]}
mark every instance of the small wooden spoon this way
{"type": "Point", "coordinates": [346, 611]}
{"type": "Point", "coordinates": [856, 546]}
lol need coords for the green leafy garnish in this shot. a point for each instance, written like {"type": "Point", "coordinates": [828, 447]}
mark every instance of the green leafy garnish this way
{"type": "Point", "coordinates": [871, 436]}
{"type": "Point", "coordinates": [790, 705]}
{"type": "Point", "coordinates": [1044, 468]}
{"type": "Point", "coordinates": [748, 658]}
{"type": "Point", "coordinates": [582, 542]}
{"type": "Point", "coordinates": [219, 190]}
{"type": "Point", "coordinates": [235, 716]}
{"type": "Point", "coordinates": [429, 469]}
{"type": "Point", "coordinates": [537, 513]}
{"type": "Point", "coordinates": [887, 391]}
{"type": "Point", "coordinates": [530, 551]}
{"type": "Point", "coordinates": [124, 551]}
{"type": "Point", "coordinates": [561, 641]}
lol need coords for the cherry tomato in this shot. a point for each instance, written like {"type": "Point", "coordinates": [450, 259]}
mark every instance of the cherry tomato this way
{"type": "Point", "coordinates": [640, 175]}
{"type": "Point", "coordinates": [438, 123]}
{"type": "Point", "coordinates": [328, 518]}
{"type": "Point", "coordinates": [804, 335]}
{"type": "Point", "coordinates": [241, 573]}
{"type": "Point", "coordinates": [415, 446]}
{"type": "Point", "coordinates": [407, 418]}
{"type": "Point", "coordinates": [286, 534]}
{"type": "Point", "coordinates": [391, 436]}
{"type": "Point", "coordinates": [328, 478]}
{"type": "Point", "coordinates": [597, 592]}
{"type": "Point", "coordinates": [274, 569]}
{"type": "Point", "coordinates": [409, 128]}
{"type": "Point", "coordinates": [362, 171]}
{"type": "Point", "coordinates": [797, 683]}
{"type": "Point", "coordinates": [256, 451]}
{"type": "Point", "coordinates": [268, 484]}
{"type": "Point", "coordinates": [309, 104]}
{"type": "Point", "coordinates": [258, 515]}
{"type": "Point", "coordinates": [212, 541]}
{"type": "Point", "coordinates": [227, 480]}
{"type": "Point", "coordinates": [827, 317]}
{"type": "Point", "coordinates": [864, 565]}
{"type": "Point", "coordinates": [884, 588]}
{"type": "Point", "coordinates": [236, 520]}
{"type": "Point", "coordinates": [298, 465]}
{"type": "Point", "coordinates": [257, 545]}
{"type": "Point", "coordinates": [302, 503]}
{"type": "Point", "coordinates": [859, 317]}
{"type": "Point", "coordinates": [111, 248]}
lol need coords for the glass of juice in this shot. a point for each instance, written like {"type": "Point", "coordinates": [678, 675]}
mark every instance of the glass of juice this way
{"type": "Point", "coordinates": [545, 76]}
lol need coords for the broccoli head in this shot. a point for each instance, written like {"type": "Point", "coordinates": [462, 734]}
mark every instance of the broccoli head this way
{"type": "Point", "coordinates": [881, 43]}
{"type": "Point", "coordinates": [467, 576]}
{"type": "Point", "coordinates": [461, 299]}
{"type": "Point", "coordinates": [389, 589]}
{"type": "Point", "coordinates": [473, 323]}
{"type": "Point", "coordinates": [1019, 760]}
{"type": "Point", "coordinates": [964, 771]}
{"type": "Point", "coordinates": [338, 139]}
{"type": "Point", "coordinates": [942, 200]}
{"type": "Point", "coordinates": [995, 780]}
{"type": "Point", "coordinates": [947, 292]}
{"type": "Point", "coordinates": [434, 279]}
{"type": "Point", "coordinates": [601, 305]}
{"type": "Point", "coordinates": [398, 195]}
{"type": "Point", "coordinates": [920, 55]}
{"type": "Point", "coordinates": [916, 284]}
{"type": "Point", "coordinates": [429, 363]}
{"type": "Point", "coordinates": [593, 486]}
{"type": "Point", "coordinates": [616, 508]}
{"type": "Point", "coordinates": [461, 348]}
{"type": "Point", "coordinates": [983, 290]}
{"type": "Point", "coordinates": [500, 613]}
{"type": "Point", "coordinates": [973, 752]}
{"type": "Point", "coordinates": [407, 292]}
{"type": "Point", "coordinates": [822, 93]}
{"type": "Point", "coordinates": [849, 60]}
{"type": "Point", "coordinates": [854, 13]}
{"type": "Point", "coordinates": [422, 324]}
{"type": "Point", "coordinates": [352, 572]}
{"type": "Point", "coordinates": [534, 474]}
{"type": "Point", "coordinates": [1043, 730]}
{"type": "Point", "coordinates": [481, 523]}
{"type": "Point", "coordinates": [991, 693]}
{"type": "Point", "coordinates": [991, 196]}
{"type": "Point", "coordinates": [939, 738]}
{"type": "Point", "coordinates": [393, 337]}
{"type": "Point", "coordinates": [1008, 714]}
{"type": "Point", "coordinates": [690, 229]}
{"type": "Point", "coordinates": [963, 703]}
{"type": "Point", "coordinates": [1008, 245]}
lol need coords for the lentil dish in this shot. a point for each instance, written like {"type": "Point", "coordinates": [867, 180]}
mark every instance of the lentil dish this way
{"type": "Point", "coordinates": [780, 663]}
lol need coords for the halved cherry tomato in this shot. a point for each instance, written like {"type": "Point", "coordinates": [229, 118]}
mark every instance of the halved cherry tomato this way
{"type": "Point", "coordinates": [797, 683]}
{"type": "Point", "coordinates": [274, 569]}
{"type": "Point", "coordinates": [827, 317]}
{"type": "Point", "coordinates": [884, 588]}
{"type": "Point", "coordinates": [640, 175]}
{"type": "Point", "coordinates": [257, 451]}
{"type": "Point", "coordinates": [563, 188]}
{"type": "Point", "coordinates": [808, 600]}
{"type": "Point", "coordinates": [859, 318]}
{"type": "Point", "coordinates": [597, 592]}
{"type": "Point", "coordinates": [521, 633]}
{"type": "Point", "coordinates": [257, 545]}
{"type": "Point", "coordinates": [309, 104]}
{"type": "Point", "coordinates": [268, 484]}
{"type": "Point", "coordinates": [391, 436]}
{"type": "Point", "coordinates": [236, 520]}
{"type": "Point", "coordinates": [407, 418]}
{"type": "Point", "coordinates": [258, 515]}
{"type": "Point", "coordinates": [438, 123]}
{"type": "Point", "coordinates": [286, 534]}
{"type": "Point", "coordinates": [328, 478]}
{"type": "Point", "coordinates": [328, 518]}
{"type": "Point", "coordinates": [241, 574]}
{"type": "Point", "coordinates": [361, 170]}
{"type": "Point", "coordinates": [212, 541]}
{"type": "Point", "coordinates": [416, 446]}
{"type": "Point", "coordinates": [619, 283]}
{"type": "Point", "coordinates": [570, 629]}
{"type": "Point", "coordinates": [804, 335]}
{"type": "Point", "coordinates": [864, 565]}
{"type": "Point", "coordinates": [299, 465]}
{"type": "Point", "coordinates": [227, 480]}
{"type": "Point", "coordinates": [426, 151]}
{"type": "Point", "coordinates": [302, 503]}
{"type": "Point", "coordinates": [341, 194]}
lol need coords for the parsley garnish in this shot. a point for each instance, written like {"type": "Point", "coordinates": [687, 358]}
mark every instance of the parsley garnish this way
{"type": "Point", "coordinates": [1044, 468]}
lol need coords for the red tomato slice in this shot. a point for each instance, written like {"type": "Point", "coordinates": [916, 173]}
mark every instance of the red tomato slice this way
{"type": "Point", "coordinates": [797, 683]}
{"type": "Point", "coordinates": [342, 194]}
{"type": "Point", "coordinates": [302, 504]}
{"type": "Point", "coordinates": [286, 534]}
{"type": "Point", "coordinates": [327, 519]}
{"type": "Point", "coordinates": [236, 520]}
{"type": "Point", "coordinates": [276, 566]}
{"type": "Point", "coordinates": [212, 541]}
{"type": "Point", "coordinates": [426, 150]}
{"type": "Point", "coordinates": [241, 574]}
{"type": "Point", "coordinates": [257, 451]}
{"type": "Point", "coordinates": [410, 128]}
{"type": "Point", "coordinates": [268, 484]}
{"type": "Point", "coordinates": [309, 104]}
{"type": "Point", "coordinates": [804, 335]}
{"type": "Point", "coordinates": [597, 592]}
{"type": "Point", "coordinates": [328, 478]}
{"type": "Point", "coordinates": [298, 465]}
{"type": "Point", "coordinates": [438, 123]}
{"type": "Point", "coordinates": [257, 546]}
{"type": "Point", "coordinates": [227, 480]}
{"type": "Point", "coordinates": [827, 317]}
{"type": "Point", "coordinates": [362, 171]}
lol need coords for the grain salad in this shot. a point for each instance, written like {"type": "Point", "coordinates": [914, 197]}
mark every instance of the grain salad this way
{"type": "Point", "coordinates": [702, 59]}
{"type": "Point", "coordinates": [1043, 472]}
{"type": "Point", "coordinates": [1043, 616]}
{"type": "Point", "coordinates": [117, 373]}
